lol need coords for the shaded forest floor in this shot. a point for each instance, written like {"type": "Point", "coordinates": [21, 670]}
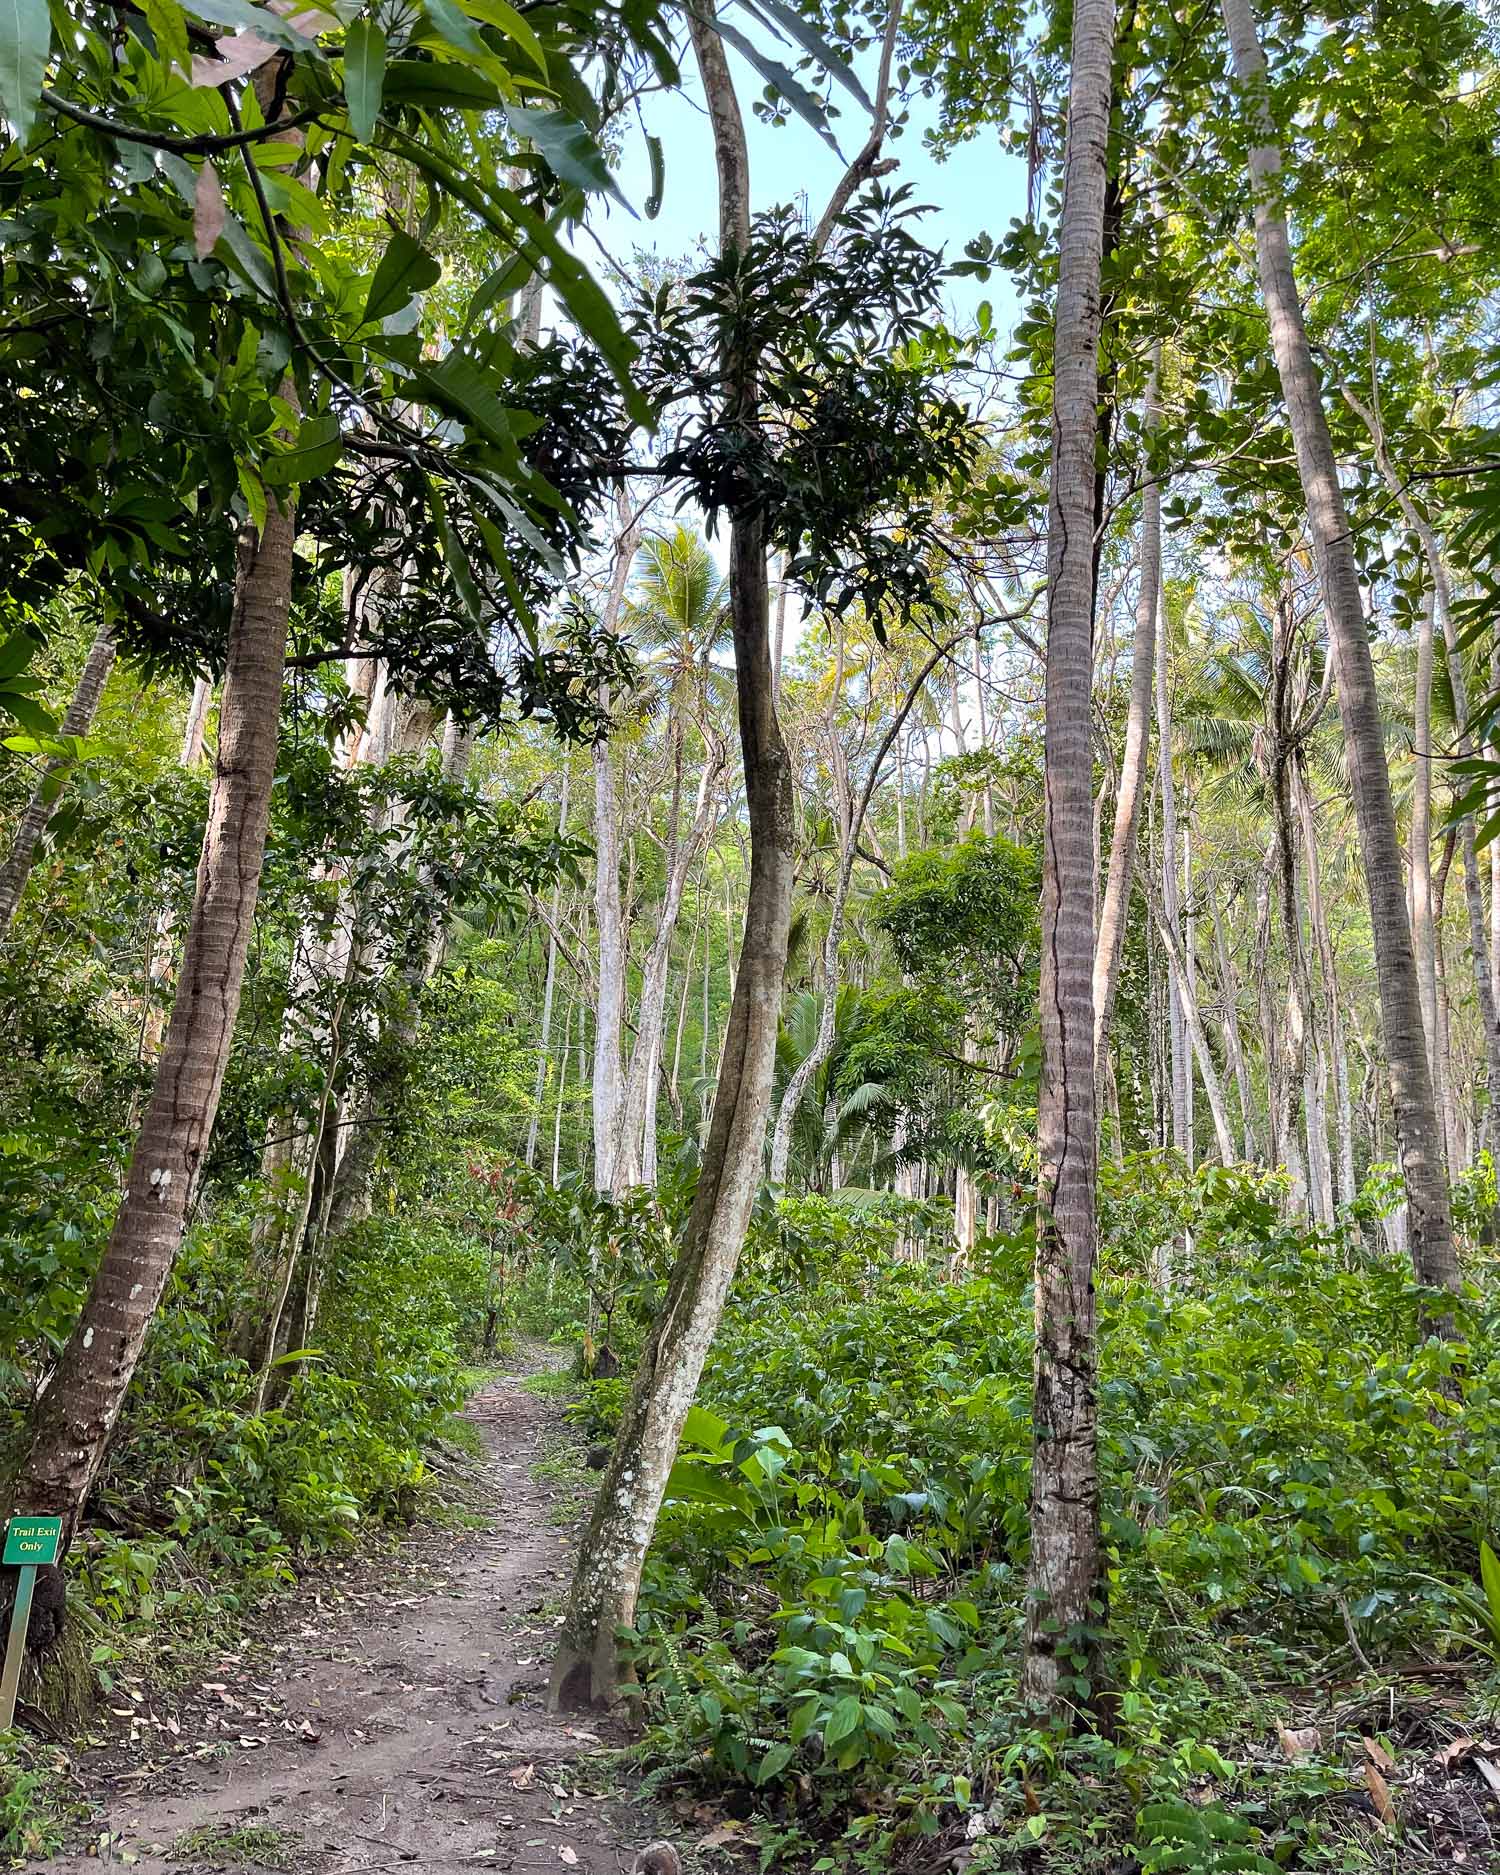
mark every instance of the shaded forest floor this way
{"type": "Point", "coordinates": [386, 1716]}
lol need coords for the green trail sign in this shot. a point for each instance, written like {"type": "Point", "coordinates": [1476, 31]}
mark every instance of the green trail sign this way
{"type": "Point", "coordinates": [30, 1542]}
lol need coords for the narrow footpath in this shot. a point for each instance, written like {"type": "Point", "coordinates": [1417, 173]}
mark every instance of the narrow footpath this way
{"type": "Point", "coordinates": [390, 1717]}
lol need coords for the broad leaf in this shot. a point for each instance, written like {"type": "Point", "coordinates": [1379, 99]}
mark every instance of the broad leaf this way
{"type": "Point", "coordinates": [568, 149]}
{"type": "Point", "coordinates": [406, 269]}
{"type": "Point", "coordinates": [25, 38]}
{"type": "Point", "coordinates": [364, 76]}
{"type": "Point", "coordinates": [815, 45]}
{"type": "Point", "coordinates": [318, 447]}
{"type": "Point", "coordinates": [504, 18]}
{"type": "Point", "coordinates": [792, 89]}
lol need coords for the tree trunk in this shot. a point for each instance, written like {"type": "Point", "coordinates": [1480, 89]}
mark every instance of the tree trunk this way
{"type": "Point", "coordinates": [1134, 765]}
{"type": "Point", "coordinates": [1317, 917]}
{"type": "Point", "coordinates": [637, 1106]}
{"type": "Point", "coordinates": [38, 810]}
{"type": "Point", "coordinates": [1065, 1580]}
{"type": "Point", "coordinates": [606, 1582]}
{"type": "Point", "coordinates": [1192, 1018]}
{"type": "Point", "coordinates": [1234, 1046]}
{"type": "Point", "coordinates": [549, 988]}
{"type": "Point", "coordinates": [1401, 1015]}
{"type": "Point", "coordinates": [75, 1416]}
{"type": "Point", "coordinates": [609, 1020]}
{"type": "Point", "coordinates": [1182, 1067]}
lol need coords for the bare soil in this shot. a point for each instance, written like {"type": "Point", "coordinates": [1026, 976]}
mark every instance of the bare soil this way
{"type": "Point", "coordinates": [386, 1717]}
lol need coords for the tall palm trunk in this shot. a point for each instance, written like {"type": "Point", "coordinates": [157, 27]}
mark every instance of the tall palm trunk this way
{"type": "Point", "coordinates": [1113, 912]}
{"type": "Point", "coordinates": [1064, 1577]}
{"type": "Point", "coordinates": [37, 812]}
{"type": "Point", "coordinates": [1401, 1015]}
{"type": "Point", "coordinates": [76, 1415]}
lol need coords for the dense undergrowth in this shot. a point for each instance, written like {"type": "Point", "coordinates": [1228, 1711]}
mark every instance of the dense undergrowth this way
{"type": "Point", "coordinates": [1292, 1499]}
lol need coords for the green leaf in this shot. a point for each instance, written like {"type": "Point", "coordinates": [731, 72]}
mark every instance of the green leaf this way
{"type": "Point", "coordinates": [704, 1428]}
{"type": "Point", "coordinates": [842, 1721]}
{"type": "Point", "coordinates": [462, 388]}
{"type": "Point", "coordinates": [364, 76]}
{"type": "Point", "coordinates": [796, 94]}
{"type": "Point", "coordinates": [15, 655]}
{"type": "Point", "coordinates": [406, 269]}
{"type": "Point", "coordinates": [453, 553]}
{"type": "Point", "coordinates": [774, 1763]}
{"type": "Point", "coordinates": [25, 40]}
{"type": "Point", "coordinates": [658, 177]}
{"type": "Point", "coordinates": [815, 45]}
{"type": "Point", "coordinates": [255, 19]}
{"type": "Point", "coordinates": [438, 87]}
{"type": "Point", "coordinates": [29, 714]}
{"type": "Point", "coordinates": [452, 26]}
{"type": "Point", "coordinates": [504, 17]}
{"type": "Point", "coordinates": [169, 29]}
{"type": "Point", "coordinates": [1489, 1575]}
{"type": "Point", "coordinates": [299, 1354]}
{"type": "Point", "coordinates": [318, 447]}
{"type": "Point", "coordinates": [567, 148]}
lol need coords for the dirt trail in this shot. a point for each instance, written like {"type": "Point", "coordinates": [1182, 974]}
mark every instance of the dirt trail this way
{"type": "Point", "coordinates": [397, 1723]}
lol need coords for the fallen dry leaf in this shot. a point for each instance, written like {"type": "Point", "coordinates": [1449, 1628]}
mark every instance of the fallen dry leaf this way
{"type": "Point", "coordinates": [1378, 1755]}
{"type": "Point", "coordinates": [1453, 1753]}
{"type": "Point", "coordinates": [1380, 1796]}
{"type": "Point", "coordinates": [523, 1776]}
{"type": "Point", "coordinates": [1301, 1743]}
{"type": "Point", "coordinates": [570, 1856]}
{"type": "Point", "coordinates": [721, 1837]}
{"type": "Point", "coordinates": [1487, 1770]}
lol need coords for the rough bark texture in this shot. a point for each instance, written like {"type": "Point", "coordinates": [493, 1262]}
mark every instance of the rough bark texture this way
{"type": "Point", "coordinates": [1064, 1581]}
{"type": "Point", "coordinates": [77, 1413]}
{"type": "Point", "coordinates": [38, 810]}
{"type": "Point", "coordinates": [1110, 945]}
{"type": "Point", "coordinates": [1401, 1018]}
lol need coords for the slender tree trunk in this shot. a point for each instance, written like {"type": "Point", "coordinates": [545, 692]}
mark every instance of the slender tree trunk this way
{"type": "Point", "coordinates": [1317, 917]}
{"type": "Point", "coordinates": [1065, 1580]}
{"type": "Point", "coordinates": [74, 1418]}
{"type": "Point", "coordinates": [1234, 1046]}
{"type": "Point", "coordinates": [548, 990]}
{"type": "Point", "coordinates": [1424, 941]}
{"type": "Point", "coordinates": [1433, 1252]}
{"type": "Point", "coordinates": [77, 721]}
{"type": "Point", "coordinates": [609, 1020]}
{"type": "Point", "coordinates": [634, 1132]}
{"type": "Point", "coordinates": [1197, 1034]}
{"type": "Point", "coordinates": [606, 1582]}
{"type": "Point", "coordinates": [1182, 1069]}
{"type": "Point", "coordinates": [1134, 763]}
{"type": "Point", "coordinates": [562, 1088]}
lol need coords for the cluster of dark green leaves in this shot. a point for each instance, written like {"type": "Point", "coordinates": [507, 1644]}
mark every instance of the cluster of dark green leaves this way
{"type": "Point", "coordinates": [852, 438]}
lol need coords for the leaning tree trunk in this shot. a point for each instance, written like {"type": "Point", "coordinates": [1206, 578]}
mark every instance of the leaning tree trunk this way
{"type": "Point", "coordinates": [1110, 945]}
{"type": "Point", "coordinates": [38, 810]}
{"type": "Point", "coordinates": [606, 1582]}
{"type": "Point", "coordinates": [1419, 1141]}
{"type": "Point", "coordinates": [75, 1416]}
{"type": "Point", "coordinates": [1065, 1580]}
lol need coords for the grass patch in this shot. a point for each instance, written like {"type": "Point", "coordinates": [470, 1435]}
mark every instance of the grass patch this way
{"type": "Point", "coordinates": [249, 1842]}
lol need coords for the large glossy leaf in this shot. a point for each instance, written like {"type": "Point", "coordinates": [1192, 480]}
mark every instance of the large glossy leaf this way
{"type": "Point", "coordinates": [317, 448]}
{"type": "Point", "coordinates": [461, 387]}
{"type": "Point", "coordinates": [25, 36]}
{"type": "Point", "coordinates": [568, 149]}
{"type": "Point", "coordinates": [504, 18]}
{"type": "Point", "coordinates": [406, 269]}
{"type": "Point", "coordinates": [255, 19]}
{"type": "Point", "coordinates": [439, 87]}
{"type": "Point", "coordinates": [453, 553]}
{"type": "Point", "coordinates": [364, 76]}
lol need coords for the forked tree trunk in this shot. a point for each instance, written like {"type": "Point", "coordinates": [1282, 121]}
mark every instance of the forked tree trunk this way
{"type": "Point", "coordinates": [37, 812]}
{"type": "Point", "coordinates": [1065, 1580]}
{"type": "Point", "coordinates": [1401, 1017]}
{"type": "Point", "coordinates": [1134, 766]}
{"type": "Point", "coordinates": [75, 1416]}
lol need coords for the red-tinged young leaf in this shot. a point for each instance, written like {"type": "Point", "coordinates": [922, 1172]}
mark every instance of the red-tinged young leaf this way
{"type": "Point", "coordinates": [208, 210]}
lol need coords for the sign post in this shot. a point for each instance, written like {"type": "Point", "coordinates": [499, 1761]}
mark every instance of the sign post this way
{"type": "Point", "coordinates": [30, 1542]}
